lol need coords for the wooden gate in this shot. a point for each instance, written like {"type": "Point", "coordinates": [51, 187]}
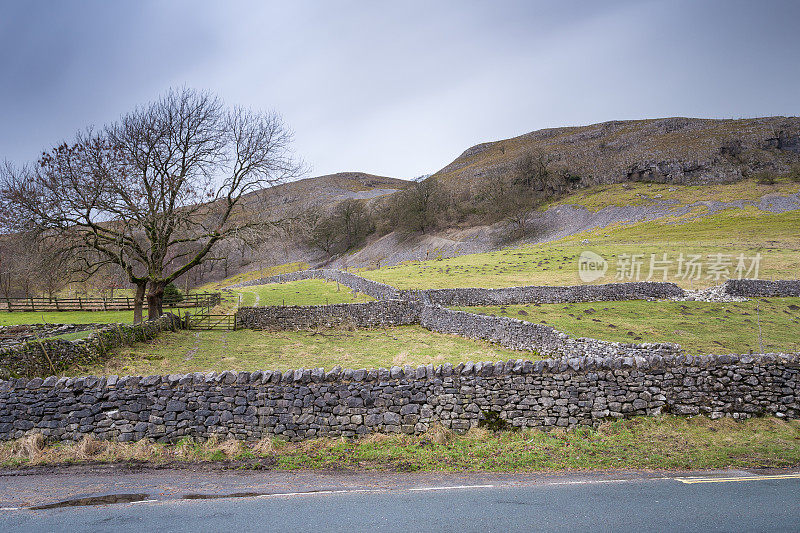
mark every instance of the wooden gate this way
{"type": "Point", "coordinates": [208, 322]}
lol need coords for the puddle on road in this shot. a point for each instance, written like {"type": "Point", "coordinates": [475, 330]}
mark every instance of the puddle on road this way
{"type": "Point", "coordinates": [216, 496]}
{"type": "Point", "coordinates": [197, 496]}
{"type": "Point", "coordinates": [93, 500]}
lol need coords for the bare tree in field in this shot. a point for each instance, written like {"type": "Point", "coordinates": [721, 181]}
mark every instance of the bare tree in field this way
{"type": "Point", "coordinates": [156, 192]}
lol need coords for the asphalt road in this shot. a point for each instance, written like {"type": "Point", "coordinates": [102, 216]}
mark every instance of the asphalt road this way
{"type": "Point", "coordinates": [708, 501]}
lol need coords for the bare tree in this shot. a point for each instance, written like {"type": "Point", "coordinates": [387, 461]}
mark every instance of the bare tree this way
{"type": "Point", "coordinates": [339, 230]}
{"type": "Point", "coordinates": [10, 253]}
{"type": "Point", "coordinates": [355, 223]}
{"type": "Point", "coordinates": [51, 268]}
{"type": "Point", "coordinates": [533, 170]}
{"type": "Point", "coordinates": [157, 191]}
{"type": "Point", "coordinates": [416, 206]}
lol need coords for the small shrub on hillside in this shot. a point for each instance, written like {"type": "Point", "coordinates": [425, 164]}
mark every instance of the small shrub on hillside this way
{"type": "Point", "coordinates": [794, 173]}
{"type": "Point", "coordinates": [765, 178]}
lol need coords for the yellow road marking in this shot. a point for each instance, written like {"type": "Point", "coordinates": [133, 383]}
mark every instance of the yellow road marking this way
{"type": "Point", "coordinates": [690, 480]}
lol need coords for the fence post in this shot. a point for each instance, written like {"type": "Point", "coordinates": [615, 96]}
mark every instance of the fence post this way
{"type": "Point", "coordinates": [80, 303]}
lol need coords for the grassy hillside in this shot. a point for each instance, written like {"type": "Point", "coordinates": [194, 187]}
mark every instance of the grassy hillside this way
{"type": "Point", "coordinates": [656, 194]}
{"type": "Point", "coordinates": [731, 232]}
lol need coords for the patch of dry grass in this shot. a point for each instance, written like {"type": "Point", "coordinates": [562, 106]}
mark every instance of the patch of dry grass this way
{"type": "Point", "coordinates": [666, 442]}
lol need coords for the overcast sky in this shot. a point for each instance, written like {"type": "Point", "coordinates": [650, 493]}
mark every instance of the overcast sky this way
{"type": "Point", "coordinates": [395, 88]}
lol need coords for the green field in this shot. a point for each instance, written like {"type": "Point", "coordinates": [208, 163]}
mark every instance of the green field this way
{"type": "Point", "coordinates": [699, 327]}
{"type": "Point", "coordinates": [665, 442]}
{"type": "Point", "coordinates": [247, 350]}
{"type": "Point", "coordinates": [306, 292]}
{"type": "Point", "coordinates": [731, 232]}
{"type": "Point", "coordinates": [76, 317]}
{"type": "Point", "coordinates": [67, 317]}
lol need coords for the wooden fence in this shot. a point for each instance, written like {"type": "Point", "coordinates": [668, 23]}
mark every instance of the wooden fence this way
{"type": "Point", "coordinates": [40, 305]}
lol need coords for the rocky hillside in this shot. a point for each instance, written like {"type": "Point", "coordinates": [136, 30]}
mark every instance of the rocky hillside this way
{"type": "Point", "coordinates": [294, 197]}
{"type": "Point", "coordinates": [674, 151]}
{"type": "Point", "coordinates": [668, 150]}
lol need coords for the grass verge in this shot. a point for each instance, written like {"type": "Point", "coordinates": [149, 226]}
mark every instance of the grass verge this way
{"type": "Point", "coordinates": [665, 442]}
{"type": "Point", "coordinates": [699, 327]}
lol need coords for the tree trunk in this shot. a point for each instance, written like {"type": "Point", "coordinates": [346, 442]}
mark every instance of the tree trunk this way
{"type": "Point", "coordinates": [155, 298]}
{"type": "Point", "coordinates": [138, 302]}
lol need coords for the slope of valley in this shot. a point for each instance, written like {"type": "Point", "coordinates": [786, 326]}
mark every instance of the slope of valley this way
{"type": "Point", "coordinates": [616, 173]}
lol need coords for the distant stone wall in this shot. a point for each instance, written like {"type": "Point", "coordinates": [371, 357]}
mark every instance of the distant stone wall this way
{"type": "Point", "coordinates": [520, 335]}
{"type": "Point", "coordinates": [52, 356]}
{"type": "Point", "coordinates": [761, 288]}
{"type": "Point", "coordinates": [304, 403]}
{"type": "Point", "coordinates": [379, 291]}
{"type": "Point", "coordinates": [380, 313]}
{"type": "Point", "coordinates": [20, 333]}
{"type": "Point", "coordinates": [507, 332]}
{"type": "Point", "coordinates": [639, 290]}
{"type": "Point", "coordinates": [424, 307]}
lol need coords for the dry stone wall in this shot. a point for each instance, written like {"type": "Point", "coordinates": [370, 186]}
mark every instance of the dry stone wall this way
{"type": "Point", "coordinates": [19, 334]}
{"type": "Point", "coordinates": [588, 382]}
{"type": "Point", "coordinates": [380, 313]}
{"type": "Point", "coordinates": [305, 403]}
{"type": "Point", "coordinates": [51, 356]}
{"type": "Point", "coordinates": [478, 296]}
{"type": "Point", "coordinates": [761, 288]}
{"type": "Point", "coordinates": [507, 332]}
{"type": "Point", "coordinates": [521, 335]}
{"type": "Point", "coordinates": [640, 290]}
{"type": "Point", "coordinates": [469, 296]}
